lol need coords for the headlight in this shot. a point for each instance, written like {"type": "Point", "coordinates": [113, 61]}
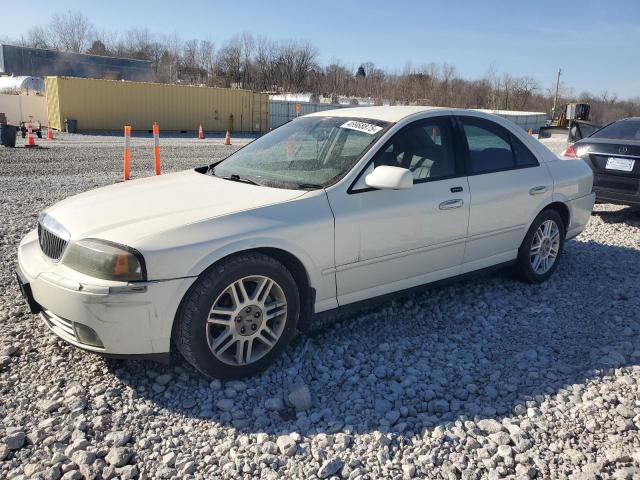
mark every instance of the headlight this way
{"type": "Point", "coordinates": [106, 260]}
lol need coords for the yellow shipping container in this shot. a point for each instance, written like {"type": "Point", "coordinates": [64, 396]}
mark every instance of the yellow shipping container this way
{"type": "Point", "coordinates": [111, 104]}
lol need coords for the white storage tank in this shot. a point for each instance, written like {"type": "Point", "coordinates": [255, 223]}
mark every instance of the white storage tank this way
{"type": "Point", "coordinates": [21, 85]}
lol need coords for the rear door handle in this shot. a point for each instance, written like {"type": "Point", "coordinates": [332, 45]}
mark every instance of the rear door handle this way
{"type": "Point", "coordinates": [538, 190]}
{"type": "Point", "coordinates": [451, 204]}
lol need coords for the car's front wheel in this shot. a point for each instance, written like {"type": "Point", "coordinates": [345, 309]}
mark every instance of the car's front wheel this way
{"type": "Point", "coordinates": [238, 316]}
{"type": "Point", "coordinates": [540, 251]}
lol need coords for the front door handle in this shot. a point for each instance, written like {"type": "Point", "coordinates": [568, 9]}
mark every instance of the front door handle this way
{"type": "Point", "coordinates": [451, 204]}
{"type": "Point", "coordinates": [538, 190]}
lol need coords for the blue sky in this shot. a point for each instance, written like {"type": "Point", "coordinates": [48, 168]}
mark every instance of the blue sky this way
{"type": "Point", "coordinates": [597, 43]}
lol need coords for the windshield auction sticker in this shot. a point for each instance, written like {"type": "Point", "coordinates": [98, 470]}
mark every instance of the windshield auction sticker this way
{"type": "Point", "coordinates": [362, 127]}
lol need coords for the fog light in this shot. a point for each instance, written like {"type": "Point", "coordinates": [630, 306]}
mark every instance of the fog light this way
{"type": "Point", "coordinates": [87, 335]}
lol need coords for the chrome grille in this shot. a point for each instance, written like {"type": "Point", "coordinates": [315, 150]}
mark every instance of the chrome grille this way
{"type": "Point", "coordinates": [51, 244]}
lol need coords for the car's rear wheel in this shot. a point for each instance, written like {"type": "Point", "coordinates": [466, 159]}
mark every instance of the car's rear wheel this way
{"type": "Point", "coordinates": [540, 251]}
{"type": "Point", "coordinates": [238, 316]}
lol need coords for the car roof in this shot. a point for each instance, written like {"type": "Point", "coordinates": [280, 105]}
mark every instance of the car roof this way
{"type": "Point", "coordinates": [383, 113]}
{"type": "Point", "coordinates": [398, 112]}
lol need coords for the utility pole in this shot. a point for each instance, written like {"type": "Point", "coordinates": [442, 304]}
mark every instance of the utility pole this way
{"type": "Point", "coordinates": [555, 99]}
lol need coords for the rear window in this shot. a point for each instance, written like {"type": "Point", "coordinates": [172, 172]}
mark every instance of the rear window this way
{"type": "Point", "coordinates": [621, 130]}
{"type": "Point", "coordinates": [587, 129]}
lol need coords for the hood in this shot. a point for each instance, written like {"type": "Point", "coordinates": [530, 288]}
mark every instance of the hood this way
{"type": "Point", "coordinates": [128, 211]}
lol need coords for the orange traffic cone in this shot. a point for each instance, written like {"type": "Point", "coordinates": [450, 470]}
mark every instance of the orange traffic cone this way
{"type": "Point", "coordinates": [49, 133]}
{"type": "Point", "coordinates": [31, 141]}
{"type": "Point", "coordinates": [200, 133]}
{"type": "Point", "coordinates": [227, 138]}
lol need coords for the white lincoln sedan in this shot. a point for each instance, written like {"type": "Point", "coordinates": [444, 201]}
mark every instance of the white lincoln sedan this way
{"type": "Point", "coordinates": [227, 261]}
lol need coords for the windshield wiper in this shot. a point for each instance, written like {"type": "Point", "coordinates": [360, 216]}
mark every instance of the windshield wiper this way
{"type": "Point", "coordinates": [310, 186]}
{"type": "Point", "coordinates": [237, 178]}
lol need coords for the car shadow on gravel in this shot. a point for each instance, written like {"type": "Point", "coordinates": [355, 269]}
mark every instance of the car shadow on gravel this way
{"type": "Point", "coordinates": [491, 347]}
{"type": "Point", "coordinates": [628, 215]}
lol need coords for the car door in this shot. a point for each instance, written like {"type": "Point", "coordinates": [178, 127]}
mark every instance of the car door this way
{"type": "Point", "coordinates": [508, 186]}
{"type": "Point", "coordinates": [389, 240]}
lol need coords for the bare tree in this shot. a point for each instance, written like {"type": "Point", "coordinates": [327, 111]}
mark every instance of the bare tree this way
{"type": "Point", "coordinates": [207, 60]}
{"type": "Point", "coordinates": [266, 59]}
{"type": "Point", "coordinates": [296, 61]}
{"type": "Point", "coordinates": [229, 62]}
{"type": "Point", "coordinates": [523, 90]}
{"type": "Point", "coordinates": [190, 68]}
{"type": "Point", "coordinates": [291, 66]}
{"type": "Point", "coordinates": [38, 37]}
{"type": "Point", "coordinates": [248, 45]}
{"type": "Point", "coordinates": [71, 31]}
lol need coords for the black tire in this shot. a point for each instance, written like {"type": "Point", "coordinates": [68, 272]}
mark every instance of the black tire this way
{"type": "Point", "coordinates": [524, 269]}
{"type": "Point", "coordinates": [191, 321]}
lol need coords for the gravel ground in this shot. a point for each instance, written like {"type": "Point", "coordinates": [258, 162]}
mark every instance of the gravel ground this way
{"type": "Point", "coordinates": [487, 378]}
{"type": "Point", "coordinates": [557, 143]}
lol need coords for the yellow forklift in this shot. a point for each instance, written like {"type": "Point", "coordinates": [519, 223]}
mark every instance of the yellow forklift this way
{"type": "Point", "coordinates": [572, 120]}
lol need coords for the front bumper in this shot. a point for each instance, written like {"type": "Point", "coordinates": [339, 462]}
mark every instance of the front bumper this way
{"type": "Point", "coordinates": [126, 318]}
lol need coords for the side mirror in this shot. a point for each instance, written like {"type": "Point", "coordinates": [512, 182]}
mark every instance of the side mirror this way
{"type": "Point", "coordinates": [386, 177]}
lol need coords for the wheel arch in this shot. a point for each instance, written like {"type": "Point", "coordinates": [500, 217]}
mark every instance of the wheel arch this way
{"type": "Point", "coordinates": [563, 211]}
{"type": "Point", "coordinates": [301, 276]}
{"type": "Point", "coordinates": [556, 204]}
{"type": "Point", "coordinates": [291, 262]}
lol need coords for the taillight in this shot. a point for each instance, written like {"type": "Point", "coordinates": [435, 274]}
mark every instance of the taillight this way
{"type": "Point", "coordinates": [570, 152]}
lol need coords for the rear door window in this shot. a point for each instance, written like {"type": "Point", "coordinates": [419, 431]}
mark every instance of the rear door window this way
{"type": "Point", "coordinates": [492, 148]}
{"type": "Point", "coordinates": [489, 146]}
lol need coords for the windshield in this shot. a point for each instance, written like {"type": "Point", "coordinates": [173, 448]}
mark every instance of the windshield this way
{"type": "Point", "coordinates": [306, 153]}
{"type": "Point", "coordinates": [621, 130]}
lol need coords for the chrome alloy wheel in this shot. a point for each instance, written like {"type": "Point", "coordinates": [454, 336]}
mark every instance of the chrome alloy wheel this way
{"type": "Point", "coordinates": [246, 320]}
{"type": "Point", "coordinates": [545, 247]}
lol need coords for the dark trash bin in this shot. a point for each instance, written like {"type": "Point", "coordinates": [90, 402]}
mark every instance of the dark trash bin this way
{"type": "Point", "coordinates": [8, 135]}
{"type": "Point", "coordinates": [70, 125]}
